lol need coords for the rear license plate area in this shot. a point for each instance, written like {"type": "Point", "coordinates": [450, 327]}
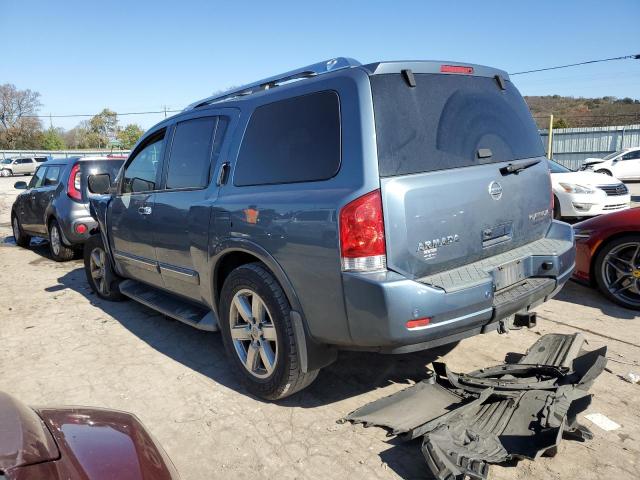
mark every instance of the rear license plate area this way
{"type": "Point", "coordinates": [509, 273]}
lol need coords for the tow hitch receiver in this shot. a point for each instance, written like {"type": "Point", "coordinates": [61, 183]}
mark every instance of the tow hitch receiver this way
{"type": "Point", "coordinates": [495, 414]}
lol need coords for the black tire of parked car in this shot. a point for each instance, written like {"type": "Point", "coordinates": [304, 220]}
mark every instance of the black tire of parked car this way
{"type": "Point", "coordinates": [597, 268]}
{"type": "Point", "coordinates": [109, 291]}
{"type": "Point", "coordinates": [287, 377]}
{"type": "Point", "coordinates": [21, 238]}
{"type": "Point", "coordinates": [59, 251]}
{"type": "Point", "coordinates": [557, 212]}
{"type": "Point", "coordinates": [606, 172]}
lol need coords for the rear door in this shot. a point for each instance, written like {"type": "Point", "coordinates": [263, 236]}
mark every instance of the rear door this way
{"type": "Point", "coordinates": [182, 207]}
{"type": "Point", "coordinates": [43, 195]}
{"type": "Point", "coordinates": [444, 147]}
{"type": "Point", "coordinates": [131, 209]}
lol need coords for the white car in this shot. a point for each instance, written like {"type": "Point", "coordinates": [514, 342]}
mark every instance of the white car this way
{"type": "Point", "coordinates": [623, 164]}
{"type": "Point", "coordinates": [586, 194]}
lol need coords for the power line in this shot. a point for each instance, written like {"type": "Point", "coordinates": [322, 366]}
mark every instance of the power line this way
{"type": "Point", "coordinates": [164, 111]}
{"type": "Point", "coordinates": [625, 57]}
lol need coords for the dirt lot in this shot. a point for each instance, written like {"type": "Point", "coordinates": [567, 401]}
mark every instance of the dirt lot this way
{"type": "Point", "coordinates": [59, 344]}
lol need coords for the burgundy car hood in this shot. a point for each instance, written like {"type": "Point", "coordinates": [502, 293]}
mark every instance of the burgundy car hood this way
{"type": "Point", "coordinates": [77, 443]}
{"type": "Point", "coordinates": [24, 439]}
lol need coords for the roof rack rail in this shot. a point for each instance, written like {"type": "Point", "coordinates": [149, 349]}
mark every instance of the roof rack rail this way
{"type": "Point", "coordinates": [319, 68]}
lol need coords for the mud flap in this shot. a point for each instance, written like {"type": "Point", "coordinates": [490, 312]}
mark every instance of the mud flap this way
{"type": "Point", "coordinates": [497, 414]}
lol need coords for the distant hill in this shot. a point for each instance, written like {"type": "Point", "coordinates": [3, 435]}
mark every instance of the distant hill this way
{"type": "Point", "coordinates": [584, 112]}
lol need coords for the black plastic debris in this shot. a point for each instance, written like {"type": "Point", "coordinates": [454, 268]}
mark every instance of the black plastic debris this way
{"type": "Point", "coordinates": [496, 414]}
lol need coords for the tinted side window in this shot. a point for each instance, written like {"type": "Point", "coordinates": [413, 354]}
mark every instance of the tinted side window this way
{"type": "Point", "coordinates": [293, 140]}
{"type": "Point", "coordinates": [38, 177]}
{"type": "Point", "coordinates": [52, 176]}
{"type": "Point", "coordinates": [190, 156]}
{"type": "Point", "coordinates": [632, 155]}
{"type": "Point", "coordinates": [141, 173]}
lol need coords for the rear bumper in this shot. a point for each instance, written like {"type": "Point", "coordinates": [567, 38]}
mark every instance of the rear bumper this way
{"type": "Point", "coordinates": [379, 304]}
{"type": "Point", "coordinates": [71, 236]}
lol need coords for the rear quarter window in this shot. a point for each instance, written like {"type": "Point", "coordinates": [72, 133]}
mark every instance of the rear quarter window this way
{"type": "Point", "coordinates": [445, 120]}
{"type": "Point", "coordinates": [292, 140]}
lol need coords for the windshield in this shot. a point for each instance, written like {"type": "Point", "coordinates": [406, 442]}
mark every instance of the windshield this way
{"type": "Point", "coordinates": [557, 168]}
{"type": "Point", "coordinates": [612, 155]}
{"type": "Point", "coordinates": [6, 161]}
{"type": "Point", "coordinates": [449, 121]}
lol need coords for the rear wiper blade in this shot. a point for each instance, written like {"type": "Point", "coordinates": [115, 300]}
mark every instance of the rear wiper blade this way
{"type": "Point", "coordinates": [518, 167]}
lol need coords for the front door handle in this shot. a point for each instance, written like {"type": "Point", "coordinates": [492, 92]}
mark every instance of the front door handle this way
{"type": "Point", "coordinates": [144, 210]}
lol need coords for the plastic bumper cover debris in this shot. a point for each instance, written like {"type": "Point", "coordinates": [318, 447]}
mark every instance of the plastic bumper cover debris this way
{"type": "Point", "coordinates": [496, 414]}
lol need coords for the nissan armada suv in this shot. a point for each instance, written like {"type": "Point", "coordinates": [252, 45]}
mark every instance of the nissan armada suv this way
{"type": "Point", "coordinates": [388, 207]}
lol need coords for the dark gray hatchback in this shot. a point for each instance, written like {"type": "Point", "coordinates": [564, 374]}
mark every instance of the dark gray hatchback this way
{"type": "Point", "coordinates": [55, 204]}
{"type": "Point", "coordinates": [390, 207]}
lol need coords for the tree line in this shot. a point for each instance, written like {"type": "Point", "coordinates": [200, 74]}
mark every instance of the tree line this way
{"type": "Point", "coordinates": [21, 127]}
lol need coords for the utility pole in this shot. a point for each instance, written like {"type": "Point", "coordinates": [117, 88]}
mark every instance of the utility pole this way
{"type": "Point", "coordinates": [550, 138]}
{"type": "Point", "coordinates": [165, 111]}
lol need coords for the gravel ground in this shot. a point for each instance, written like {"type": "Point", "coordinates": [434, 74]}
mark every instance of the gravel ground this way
{"type": "Point", "coordinates": [59, 344]}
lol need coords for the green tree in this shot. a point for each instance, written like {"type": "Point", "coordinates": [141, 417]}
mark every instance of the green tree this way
{"type": "Point", "coordinates": [53, 139]}
{"type": "Point", "coordinates": [129, 135]}
{"type": "Point", "coordinates": [560, 123]}
{"type": "Point", "coordinates": [103, 128]}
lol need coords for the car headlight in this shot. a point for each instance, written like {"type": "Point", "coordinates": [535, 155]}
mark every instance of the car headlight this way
{"type": "Point", "coordinates": [575, 188]}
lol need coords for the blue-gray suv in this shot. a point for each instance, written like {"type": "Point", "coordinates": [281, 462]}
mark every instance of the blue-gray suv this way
{"type": "Point", "coordinates": [388, 207]}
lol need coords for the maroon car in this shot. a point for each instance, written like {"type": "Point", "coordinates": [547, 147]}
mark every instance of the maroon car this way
{"type": "Point", "coordinates": [77, 443]}
{"type": "Point", "coordinates": [608, 255]}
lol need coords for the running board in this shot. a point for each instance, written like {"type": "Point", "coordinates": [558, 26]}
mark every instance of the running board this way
{"type": "Point", "coordinates": [170, 305]}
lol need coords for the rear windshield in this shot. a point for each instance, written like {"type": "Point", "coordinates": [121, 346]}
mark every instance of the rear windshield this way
{"type": "Point", "coordinates": [101, 166]}
{"type": "Point", "coordinates": [449, 121]}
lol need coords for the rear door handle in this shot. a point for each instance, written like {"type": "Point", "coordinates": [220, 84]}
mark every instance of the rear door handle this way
{"type": "Point", "coordinates": [144, 210]}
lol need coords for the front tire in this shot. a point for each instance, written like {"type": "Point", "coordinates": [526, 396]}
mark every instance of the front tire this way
{"type": "Point", "coordinates": [606, 172]}
{"type": "Point", "coordinates": [101, 277]}
{"type": "Point", "coordinates": [5, 172]}
{"type": "Point", "coordinates": [258, 335]}
{"type": "Point", "coordinates": [557, 211]}
{"type": "Point", "coordinates": [22, 239]}
{"type": "Point", "coordinates": [59, 251]}
{"type": "Point", "coordinates": [617, 271]}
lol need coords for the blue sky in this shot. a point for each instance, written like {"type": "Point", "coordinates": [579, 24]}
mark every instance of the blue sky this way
{"type": "Point", "coordinates": [139, 55]}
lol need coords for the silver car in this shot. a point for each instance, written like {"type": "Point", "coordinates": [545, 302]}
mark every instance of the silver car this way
{"type": "Point", "coordinates": [20, 165]}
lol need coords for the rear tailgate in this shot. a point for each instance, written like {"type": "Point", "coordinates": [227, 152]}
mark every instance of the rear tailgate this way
{"type": "Point", "coordinates": [443, 146]}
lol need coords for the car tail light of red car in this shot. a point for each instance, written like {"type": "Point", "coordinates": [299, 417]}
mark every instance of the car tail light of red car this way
{"type": "Point", "coordinates": [362, 242]}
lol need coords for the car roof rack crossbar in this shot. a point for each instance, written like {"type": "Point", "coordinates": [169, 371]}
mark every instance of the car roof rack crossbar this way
{"type": "Point", "coordinates": [319, 68]}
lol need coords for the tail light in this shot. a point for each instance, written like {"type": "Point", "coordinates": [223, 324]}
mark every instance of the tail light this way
{"type": "Point", "coordinates": [362, 245]}
{"type": "Point", "coordinates": [73, 184]}
{"type": "Point", "coordinates": [456, 69]}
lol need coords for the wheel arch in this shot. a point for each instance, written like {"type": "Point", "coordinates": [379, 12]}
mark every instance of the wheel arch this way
{"type": "Point", "coordinates": [602, 246]}
{"type": "Point", "coordinates": [313, 355]}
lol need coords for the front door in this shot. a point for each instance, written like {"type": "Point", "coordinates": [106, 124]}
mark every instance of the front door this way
{"type": "Point", "coordinates": [132, 209]}
{"type": "Point", "coordinates": [183, 206]}
{"type": "Point", "coordinates": [628, 167]}
{"type": "Point", "coordinates": [27, 208]}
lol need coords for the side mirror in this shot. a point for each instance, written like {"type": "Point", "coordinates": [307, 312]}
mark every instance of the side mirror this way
{"type": "Point", "coordinates": [99, 183]}
{"type": "Point", "coordinates": [20, 185]}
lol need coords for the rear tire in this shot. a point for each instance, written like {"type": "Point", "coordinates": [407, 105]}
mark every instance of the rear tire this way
{"type": "Point", "coordinates": [59, 251]}
{"type": "Point", "coordinates": [557, 212]}
{"type": "Point", "coordinates": [97, 267]}
{"type": "Point", "coordinates": [263, 348]}
{"type": "Point", "coordinates": [617, 271]}
{"type": "Point", "coordinates": [22, 239]}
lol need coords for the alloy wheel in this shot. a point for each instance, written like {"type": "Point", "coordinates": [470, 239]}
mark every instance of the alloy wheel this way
{"type": "Point", "coordinates": [97, 261]}
{"type": "Point", "coordinates": [4, 173]}
{"type": "Point", "coordinates": [253, 333]}
{"type": "Point", "coordinates": [621, 272]}
{"type": "Point", "coordinates": [55, 240]}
